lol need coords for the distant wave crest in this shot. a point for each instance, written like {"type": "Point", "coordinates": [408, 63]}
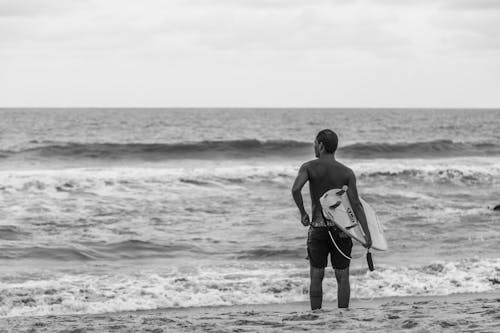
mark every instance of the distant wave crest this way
{"type": "Point", "coordinates": [249, 148]}
{"type": "Point", "coordinates": [161, 151]}
{"type": "Point", "coordinates": [437, 148]}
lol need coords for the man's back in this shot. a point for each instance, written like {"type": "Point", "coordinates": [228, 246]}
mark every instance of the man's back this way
{"type": "Point", "coordinates": [324, 174]}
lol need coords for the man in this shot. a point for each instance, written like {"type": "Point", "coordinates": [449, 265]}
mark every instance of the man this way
{"type": "Point", "coordinates": [326, 173]}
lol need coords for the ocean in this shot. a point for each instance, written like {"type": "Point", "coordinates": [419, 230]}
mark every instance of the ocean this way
{"type": "Point", "coordinates": [105, 210]}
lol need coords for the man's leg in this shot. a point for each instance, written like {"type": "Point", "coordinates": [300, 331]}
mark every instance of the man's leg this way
{"type": "Point", "coordinates": [316, 287]}
{"type": "Point", "coordinates": [343, 287]}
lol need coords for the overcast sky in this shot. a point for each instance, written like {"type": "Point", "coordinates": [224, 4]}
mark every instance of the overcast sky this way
{"type": "Point", "coordinates": [250, 53]}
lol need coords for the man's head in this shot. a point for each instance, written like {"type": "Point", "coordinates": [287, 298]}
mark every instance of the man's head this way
{"type": "Point", "coordinates": [326, 142]}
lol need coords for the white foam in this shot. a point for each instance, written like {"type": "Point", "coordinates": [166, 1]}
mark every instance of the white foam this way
{"type": "Point", "coordinates": [121, 181]}
{"type": "Point", "coordinates": [228, 284]}
{"type": "Point", "coordinates": [459, 169]}
{"type": "Point", "coordinates": [438, 278]}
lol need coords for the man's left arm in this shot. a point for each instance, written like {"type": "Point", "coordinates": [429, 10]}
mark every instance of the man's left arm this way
{"type": "Point", "coordinates": [357, 207]}
{"type": "Point", "coordinates": [298, 184]}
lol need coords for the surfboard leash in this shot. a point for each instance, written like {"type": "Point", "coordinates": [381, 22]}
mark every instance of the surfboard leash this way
{"type": "Point", "coordinates": [369, 259]}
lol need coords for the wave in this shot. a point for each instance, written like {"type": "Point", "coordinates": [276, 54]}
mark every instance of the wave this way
{"type": "Point", "coordinates": [11, 232]}
{"type": "Point", "coordinates": [227, 284]}
{"type": "Point", "coordinates": [251, 148]}
{"type": "Point", "coordinates": [436, 148]}
{"type": "Point", "coordinates": [162, 151]}
{"type": "Point", "coordinates": [114, 181]}
{"type": "Point", "coordinates": [268, 252]}
{"type": "Point", "coordinates": [131, 249]}
{"type": "Point", "coordinates": [442, 176]}
{"type": "Point", "coordinates": [134, 249]}
{"type": "Point", "coordinates": [128, 249]}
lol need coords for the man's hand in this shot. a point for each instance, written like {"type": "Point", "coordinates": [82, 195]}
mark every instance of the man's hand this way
{"type": "Point", "coordinates": [305, 220]}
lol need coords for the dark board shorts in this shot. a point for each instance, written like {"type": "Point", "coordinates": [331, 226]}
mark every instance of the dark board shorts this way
{"type": "Point", "coordinates": [319, 245]}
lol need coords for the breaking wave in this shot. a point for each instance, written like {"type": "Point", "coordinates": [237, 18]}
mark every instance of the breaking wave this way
{"type": "Point", "coordinates": [91, 181]}
{"type": "Point", "coordinates": [437, 148]}
{"type": "Point", "coordinates": [241, 149]}
{"type": "Point", "coordinates": [230, 285]}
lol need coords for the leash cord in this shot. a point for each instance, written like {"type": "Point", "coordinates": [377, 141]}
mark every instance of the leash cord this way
{"type": "Point", "coordinates": [342, 253]}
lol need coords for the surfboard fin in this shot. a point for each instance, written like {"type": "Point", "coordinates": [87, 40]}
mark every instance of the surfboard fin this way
{"type": "Point", "coordinates": [343, 190]}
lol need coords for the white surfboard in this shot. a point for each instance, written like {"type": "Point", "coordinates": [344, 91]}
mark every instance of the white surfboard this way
{"type": "Point", "coordinates": [337, 208]}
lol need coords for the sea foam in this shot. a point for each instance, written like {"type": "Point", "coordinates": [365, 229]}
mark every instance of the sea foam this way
{"type": "Point", "coordinates": [229, 284]}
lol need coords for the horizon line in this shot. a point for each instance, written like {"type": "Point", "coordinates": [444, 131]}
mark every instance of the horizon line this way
{"type": "Point", "coordinates": [258, 107]}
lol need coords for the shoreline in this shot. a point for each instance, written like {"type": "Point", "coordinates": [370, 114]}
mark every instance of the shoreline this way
{"type": "Point", "coordinates": [457, 312]}
{"type": "Point", "coordinates": [304, 306]}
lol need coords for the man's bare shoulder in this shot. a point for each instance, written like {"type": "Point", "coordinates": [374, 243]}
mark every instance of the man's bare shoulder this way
{"type": "Point", "coordinates": [348, 171]}
{"type": "Point", "coordinates": [345, 168]}
{"type": "Point", "coordinates": [307, 165]}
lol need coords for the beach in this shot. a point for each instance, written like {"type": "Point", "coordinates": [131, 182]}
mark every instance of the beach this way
{"type": "Point", "coordinates": [452, 313]}
{"type": "Point", "coordinates": [182, 219]}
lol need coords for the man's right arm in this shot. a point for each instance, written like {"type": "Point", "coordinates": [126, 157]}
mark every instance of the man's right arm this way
{"type": "Point", "coordinates": [298, 184]}
{"type": "Point", "coordinates": [357, 207]}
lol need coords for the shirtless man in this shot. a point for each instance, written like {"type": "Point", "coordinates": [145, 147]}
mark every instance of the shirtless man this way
{"type": "Point", "coordinates": [326, 173]}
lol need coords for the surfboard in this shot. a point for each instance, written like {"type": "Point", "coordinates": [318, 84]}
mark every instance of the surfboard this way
{"type": "Point", "coordinates": [337, 208]}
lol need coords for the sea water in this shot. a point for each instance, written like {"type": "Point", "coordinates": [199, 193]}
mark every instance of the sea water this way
{"type": "Point", "coordinates": [127, 209]}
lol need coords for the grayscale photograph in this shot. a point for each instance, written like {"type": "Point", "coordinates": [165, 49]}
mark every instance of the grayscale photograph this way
{"type": "Point", "coordinates": [249, 166]}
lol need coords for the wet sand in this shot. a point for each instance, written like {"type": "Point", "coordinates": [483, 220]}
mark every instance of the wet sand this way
{"type": "Point", "coordinates": [452, 313]}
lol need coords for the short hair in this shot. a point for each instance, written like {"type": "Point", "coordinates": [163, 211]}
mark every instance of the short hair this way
{"type": "Point", "coordinates": [329, 139]}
